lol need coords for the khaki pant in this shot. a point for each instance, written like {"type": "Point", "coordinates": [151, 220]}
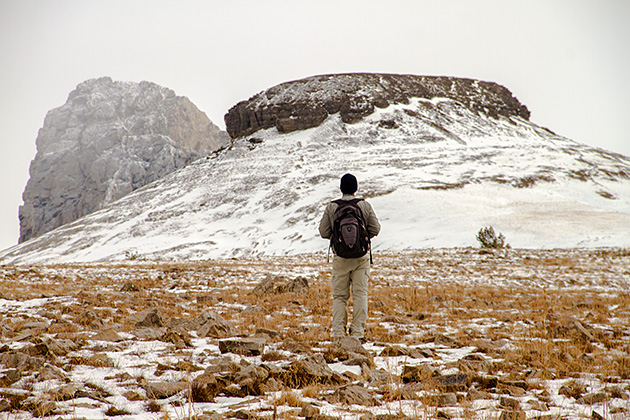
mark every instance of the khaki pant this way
{"type": "Point", "coordinates": [350, 273]}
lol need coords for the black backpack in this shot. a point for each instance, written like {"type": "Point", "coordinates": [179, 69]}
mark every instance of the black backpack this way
{"type": "Point", "coordinates": [349, 238]}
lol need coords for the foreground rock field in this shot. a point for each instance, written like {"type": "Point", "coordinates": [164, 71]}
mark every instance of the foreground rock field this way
{"type": "Point", "coordinates": [452, 334]}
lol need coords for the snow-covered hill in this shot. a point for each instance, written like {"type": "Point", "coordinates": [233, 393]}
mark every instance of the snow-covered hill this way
{"type": "Point", "coordinates": [435, 171]}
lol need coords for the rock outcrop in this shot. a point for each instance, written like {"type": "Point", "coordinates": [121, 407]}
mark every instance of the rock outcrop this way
{"type": "Point", "coordinates": [107, 140]}
{"type": "Point", "coordinates": [306, 103]}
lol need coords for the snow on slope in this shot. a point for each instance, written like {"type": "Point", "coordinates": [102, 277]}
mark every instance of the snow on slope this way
{"type": "Point", "coordinates": [434, 171]}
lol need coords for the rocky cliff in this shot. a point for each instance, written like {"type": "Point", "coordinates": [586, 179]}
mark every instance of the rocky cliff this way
{"type": "Point", "coordinates": [306, 103]}
{"type": "Point", "coordinates": [107, 140]}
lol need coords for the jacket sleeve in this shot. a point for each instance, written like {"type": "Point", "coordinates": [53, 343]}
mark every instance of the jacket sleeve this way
{"type": "Point", "coordinates": [325, 225]}
{"type": "Point", "coordinates": [373, 225]}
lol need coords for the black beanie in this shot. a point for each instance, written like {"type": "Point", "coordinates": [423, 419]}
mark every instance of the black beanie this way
{"type": "Point", "coordinates": [348, 184]}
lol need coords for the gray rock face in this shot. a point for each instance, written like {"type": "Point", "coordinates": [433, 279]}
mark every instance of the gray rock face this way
{"type": "Point", "coordinates": [107, 140]}
{"type": "Point", "coordinates": [306, 103]}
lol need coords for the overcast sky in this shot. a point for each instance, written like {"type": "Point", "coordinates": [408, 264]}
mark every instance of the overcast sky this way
{"type": "Point", "coordinates": [568, 61]}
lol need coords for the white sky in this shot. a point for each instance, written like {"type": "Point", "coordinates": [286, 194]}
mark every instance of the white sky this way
{"type": "Point", "coordinates": [566, 60]}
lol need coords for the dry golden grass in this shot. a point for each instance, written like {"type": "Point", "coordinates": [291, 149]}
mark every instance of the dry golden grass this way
{"type": "Point", "coordinates": [565, 313]}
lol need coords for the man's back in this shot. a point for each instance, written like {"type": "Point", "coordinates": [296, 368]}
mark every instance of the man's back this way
{"type": "Point", "coordinates": [373, 226]}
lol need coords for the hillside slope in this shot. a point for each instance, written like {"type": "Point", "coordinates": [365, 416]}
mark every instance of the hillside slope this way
{"type": "Point", "coordinates": [435, 171]}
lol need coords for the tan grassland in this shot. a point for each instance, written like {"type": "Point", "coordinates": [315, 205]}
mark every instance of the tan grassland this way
{"type": "Point", "coordinates": [541, 316]}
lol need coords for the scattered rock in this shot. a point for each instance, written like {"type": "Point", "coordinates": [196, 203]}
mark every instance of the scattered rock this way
{"type": "Point", "coordinates": [443, 415]}
{"type": "Point", "coordinates": [253, 346]}
{"type": "Point", "coordinates": [537, 405]}
{"type": "Point", "coordinates": [107, 335]}
{"type": "Point", "coordinates": [296, 347]}
{"type": "Point", "coordinates": [441, 339]}
{"type": "Point", "coordinates": [416, 373]}
{"type": "Point", "coordinates": [474, 362]}
{"type": "Point", "coordinates": [91, 319]}
{"type": "Point", "coordinates": [377, 376]}
{"type": "Point", "coordinates": [518, 384]}
{"type": "Point", "coordinates": [474, 394]}
{"type": "Point", "coordinates": [250, 379]}
{"type": "Point", "coordinates": [353, 394]}
{"type": "Point", "coordinates": [274, 285]}
{"type": "Point", "coordinates": [161, 390]}
{"type": "Point", "coordinates": [180, 339]}
{"type": "Point", "coordinates": [453, 383]}
{"type": "Point", "coordinates": [63, 392]}
{"type": "Point", "coordinates": [149, 334]}
{"type": "Point", "coordinates": [129, 287]}
{"type": "Point", "coordinates": [211, 324]}
{"type": "Point", "coordinates": [510, 403]}
{"type": "Point", "coordinates": [358, 360]}
{"type": "Point", "coordinates": [309, 411]}
{"type": "Point", "coordinates": [307, 371]}
{"type": "Point", "coordinates": [351, 344]}
{"type": "Point", "coordinates": [512, 415]}
{"type": "Point", "coordinates": [224, 364]}
{"type": "Point", "coordinates": [40, 349]}
{"type": "Point", "coordinates": [204, 388]}
{"type": "Point", "coordinates": [596, 416]}
{"type": "Point", "coordinates": [397, 351]}
{"type": "Point", "coordinates": [487, 382]}
{"type": "Point", "coordinates": [9, 377]}
{"type": "Point", "coordinates": [593, 398]}
{"type": "Point", "coordinates": [514, 391]}
{"type": "Point", "coordinates": [447, 399]}
{"type": "Point", "coordinates": [395, 319]}
{"type": "Point", "coordinates": [33, 325]}
{"type": "Point", "coordinates": [21, 361]}
{"type": "Point", "coordinates": [4, 405]}
{"type": "Point", "coordinates": [133, 396]}
{"type": "Point", "coordinates": [268, 332]}
{"type": "Point", "coordinates": [51, 372]}
{"type": "Point", "coordinates": [572, 389]}
{"type": "Point", "coordinates": [149, 318]}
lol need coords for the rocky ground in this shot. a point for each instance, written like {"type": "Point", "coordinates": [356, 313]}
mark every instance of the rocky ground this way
{"type": "Point", "coordinates": [453, 334]}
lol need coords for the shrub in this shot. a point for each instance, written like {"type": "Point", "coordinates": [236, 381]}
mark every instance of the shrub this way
{"type": "Point", "coordinates": [488, 238]}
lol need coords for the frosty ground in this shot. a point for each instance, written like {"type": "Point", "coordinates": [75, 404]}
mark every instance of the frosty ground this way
{"type": "Point", "coordinates": [453, 333]}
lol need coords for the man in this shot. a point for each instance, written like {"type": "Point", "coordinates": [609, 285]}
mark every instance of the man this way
{"type": "Point", "coordinates": [350, 272]}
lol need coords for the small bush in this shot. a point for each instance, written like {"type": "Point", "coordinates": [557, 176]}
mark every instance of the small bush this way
{"type": "Point", "coordinates": [488, 238]}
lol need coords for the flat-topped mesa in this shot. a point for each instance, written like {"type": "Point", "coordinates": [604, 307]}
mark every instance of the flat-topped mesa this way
{"type": "Point", "coordinates": [306, 103]}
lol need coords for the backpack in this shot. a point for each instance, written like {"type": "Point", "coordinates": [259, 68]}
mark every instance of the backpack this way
{"type": "Point", "coordinates": [349, 238]}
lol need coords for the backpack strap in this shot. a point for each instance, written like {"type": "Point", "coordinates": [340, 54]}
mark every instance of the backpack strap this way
{"type": "Point", "coordinates": [353, 202]}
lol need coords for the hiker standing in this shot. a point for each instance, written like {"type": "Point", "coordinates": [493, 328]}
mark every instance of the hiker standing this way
{"type": "Point", "coordinates": [350, 223]}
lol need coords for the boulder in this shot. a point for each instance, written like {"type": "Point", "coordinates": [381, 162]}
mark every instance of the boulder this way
{"type": "Point", "coordinates": [161, 390]}
{"type": "Point", "coordinates": [211, 324]}
{"type": "Point", "coordinates": [353, 394]}
{"type": "Point", "coordinates": [149, 318]}
{"type": "Point", "coordinates": [253, 346]}
{"type": "Point", "coordinates": [107, 335]}
{"type": "Point", "coordinates": [416, 373]}
{"type": "Point", "coordinates": [204, 388]}
{"type": "Point", "coordinates": [310, 370]}
{"type": "Point", "coordinates": [452, 383]}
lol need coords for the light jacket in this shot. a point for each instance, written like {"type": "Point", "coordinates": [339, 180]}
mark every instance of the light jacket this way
{"type": "Point", "coordinates": [373, 226]}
